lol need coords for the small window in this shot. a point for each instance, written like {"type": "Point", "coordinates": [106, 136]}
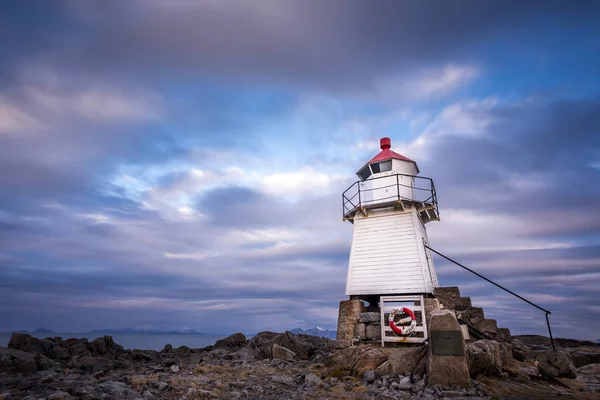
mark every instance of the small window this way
{"type": "Point", "coordinates": [365, 173]}
{"type": "Point", "coordinates": [385, 166]}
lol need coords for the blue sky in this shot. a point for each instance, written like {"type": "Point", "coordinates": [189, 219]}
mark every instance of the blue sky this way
{"type": "Point", "coordinates": [180, 164]}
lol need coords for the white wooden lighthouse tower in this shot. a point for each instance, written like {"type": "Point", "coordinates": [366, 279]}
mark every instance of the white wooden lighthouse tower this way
{"type": "Point", "coordinates": [390, 268]}
{"type": "Point", "coordinates": [389, 207]}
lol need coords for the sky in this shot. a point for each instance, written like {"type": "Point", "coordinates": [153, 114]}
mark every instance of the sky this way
{"type": "Point", "coordinates": [180, 164]}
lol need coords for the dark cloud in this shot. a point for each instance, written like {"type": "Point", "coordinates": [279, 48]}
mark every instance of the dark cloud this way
{"type": "Point", "coordinates": [335, 44]}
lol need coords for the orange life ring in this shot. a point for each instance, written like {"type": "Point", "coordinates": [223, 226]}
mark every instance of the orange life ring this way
{"type": "Point", "coordinates": [403, 330]}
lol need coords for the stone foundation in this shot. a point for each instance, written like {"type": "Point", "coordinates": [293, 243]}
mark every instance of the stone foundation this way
{"type": "Point", "coordinates": [348, 319]}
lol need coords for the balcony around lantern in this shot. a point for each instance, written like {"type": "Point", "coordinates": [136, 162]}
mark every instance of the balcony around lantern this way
{"type": "Point", "coordinates": [399, 191]}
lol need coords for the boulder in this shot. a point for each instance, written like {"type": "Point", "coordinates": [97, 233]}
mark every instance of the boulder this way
{"type": "Point", "coordinates": [590, 375]}
{"type": "Point", "coordinates": [232, 342]}
{"type": "Point", "coordinates": [58, 352]}
{"type": "Point", "coordinates": [94, 364]}
{"type": "Point", "coordinates": [369, 359]}
{"type": "Point", "coordinates": [80, 350]}
{"type": "Point", "coordinates": [303, 346]}
{"type": "Point", "coordinates": [555, 363]}
{"type": "Point", "coordinates": [404, 361]}
{"type": "Point", "coordinates": [356, 360]}
{"type": "Point", "coordinates": [281, 353]}
{"type": "Point", "coordinates": [484, 358]}
{"type": "Point", "coordinates": [24, 342]}
{"type": "Point", "coordinates": [369, 376]}
{"type": "Point", "coordinates": [13, 360]}
{"type": "Point", "coordinates": [582, 358]}
{"type": "Point", "coordinates": [104, 346]}
{"type": "Point", "coordinates": [472, 315]}
{"type": "Point", "coordinates": [312, 379]}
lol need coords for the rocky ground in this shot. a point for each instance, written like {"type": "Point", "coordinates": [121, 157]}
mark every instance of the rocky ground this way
{"type": "Point", "coordinates": [283, 366]}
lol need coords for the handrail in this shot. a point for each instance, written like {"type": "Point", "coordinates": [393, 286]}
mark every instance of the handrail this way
{"type": "Point", "coordinates": [418, 184]}
{"type": "Point", "coordinates": [501, 287]}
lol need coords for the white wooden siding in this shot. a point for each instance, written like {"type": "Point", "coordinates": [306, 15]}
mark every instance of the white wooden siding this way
{"type": "Point", "coordinates": [387, 256]}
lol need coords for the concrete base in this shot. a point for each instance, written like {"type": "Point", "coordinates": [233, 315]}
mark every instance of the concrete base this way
{"type": "Point", "coordinates": [348, 318]}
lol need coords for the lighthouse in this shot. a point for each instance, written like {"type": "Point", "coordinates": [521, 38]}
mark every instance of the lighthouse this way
{"type": "Point", "coordinates": [389, 206]}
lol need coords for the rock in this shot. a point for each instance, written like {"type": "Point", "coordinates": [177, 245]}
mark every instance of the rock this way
{"type": "Point", "coordinates": [232, 342]}
{"type": "Point", "coordinates": [472, 315]}
{"type": "Point", "coordinates": [174, 368]}
{"type": "Point", "coordinates": [373, 332]}
{"type": "Point", "coordinates": [454, 393]}
{"type": "Point", "coordinates": [368, 359]}
{"type": "Point", "coordinates": [312, 380]}
{"type": "Point", "coordinates": [369, 318]}
{"type": "Point", "coordinates": [484, 358]}
{"type": "Point", "coordinates": [80, 350]}
{"type": "Point", "coordinates": [405, 383]}
{"type": "Point", "coordinates": [58, 352]}
{"type": "Point", "coordinates": [95, 364]}
{"type": "Point", "coordinates": [304, 346]}
{"type": "Point", "coordinates": [45, 363]}
{"type": "Point", "coordinates": [17, 360]}
{"type": "Point", "coordinates": [447, 370]}
{"type": "Point", "coordinates": [555, 363]}
{"type": "Point", "coordinates": [281, 353]}
{"type": "Point", "coordinates": [450, 298]}
{"type": "Point", "coordinates": [531, 372]}
{"type": "Point", "coordinates": [148, 396]}
{"type": "Point", "coordinates": [488, 326]}
{"type": "Point", "coordinates": [503, 335]}
{"type": "Point", "coordinates": [104, 346]}
{"type": "Point", "coordinates": [590, 375]}
{"type": "Point", "coordinates": [168, 347]}
{"type": "Point", "coordinates": [404, 361]}
{"type": "Point", "coordinates": [59, 396]}
{"type": "Point", "coordinates": [582, 358]}
{"type": "Point", "coordinates": [360, 332]}
{"type": "Point", "coordinates": [28, 343]}
{"type": "Point", "coordinates": [118, 390]}
{"type": "Point", "coordinates": [369, 376]}
{"type": "Point", "coordinates": [142, 355]}
{"type": "Point", "coordinates": [286, 380]}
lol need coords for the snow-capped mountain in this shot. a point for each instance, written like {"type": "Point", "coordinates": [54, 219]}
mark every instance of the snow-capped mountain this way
{"type": "Point", "coordinates": [316, 331]}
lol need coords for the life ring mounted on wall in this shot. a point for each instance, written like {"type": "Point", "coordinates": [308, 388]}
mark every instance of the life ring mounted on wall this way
{"type": "Point", "coordinates": [401, 330]}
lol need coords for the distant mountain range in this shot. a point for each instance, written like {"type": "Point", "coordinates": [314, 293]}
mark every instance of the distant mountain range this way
{"type": "Point", "coordinates": [183, 331]}
{"type": "Point", "coordinates": [318, 331]}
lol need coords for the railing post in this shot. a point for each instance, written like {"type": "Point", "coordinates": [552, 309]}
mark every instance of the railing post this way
{"type": "Point", "coordinates": [359, 201]}
{"type": "Point", "coordinates": [398, 185]}
{"type": "Point", "coordinates": [550, 330]}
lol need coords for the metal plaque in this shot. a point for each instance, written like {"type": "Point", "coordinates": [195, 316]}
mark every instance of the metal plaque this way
{"type": "Point", "coordinates": [447, 343]}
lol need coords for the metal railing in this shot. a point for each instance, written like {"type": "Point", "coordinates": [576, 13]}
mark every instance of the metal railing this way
{"type": "Point", "coordinates": [422, 190]}
{"type": "Point", "coordinates": [501, 287]}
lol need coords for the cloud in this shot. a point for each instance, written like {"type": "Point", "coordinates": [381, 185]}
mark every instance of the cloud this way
{"type": "Point", "coordinates": [427, 84]}
{"type": "Point", "coordinates": [180, 163]}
